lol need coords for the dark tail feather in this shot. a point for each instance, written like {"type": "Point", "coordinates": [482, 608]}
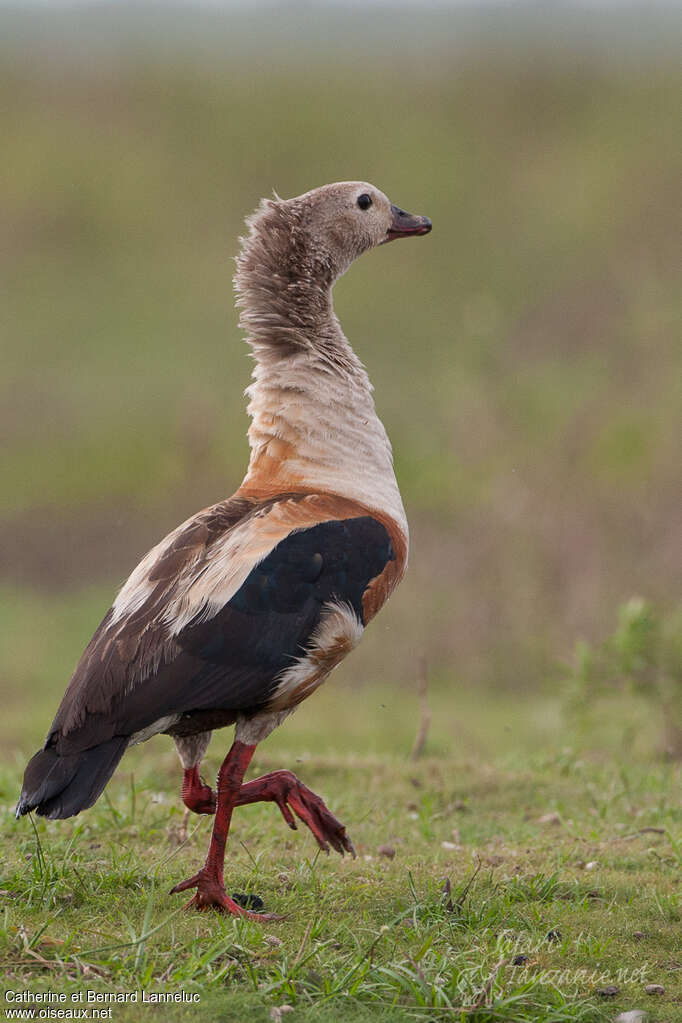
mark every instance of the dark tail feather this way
{"type": "Point", "coordinates": [61, 786]}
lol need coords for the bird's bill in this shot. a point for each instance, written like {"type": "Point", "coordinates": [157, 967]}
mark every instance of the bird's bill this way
{"type": "Point", "coordinates": [404, 225]}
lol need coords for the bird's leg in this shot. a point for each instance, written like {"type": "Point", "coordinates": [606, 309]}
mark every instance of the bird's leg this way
{"type": "Point", "coordinates": [196, 795]}
{"type": "Point", "coordinates": [209, 882]}
{"type": "Point", "coordinates": [284, 788]}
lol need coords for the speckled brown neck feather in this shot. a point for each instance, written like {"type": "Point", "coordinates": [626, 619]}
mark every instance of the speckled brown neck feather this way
{"type": "Point", "coordinates": [314, 424]}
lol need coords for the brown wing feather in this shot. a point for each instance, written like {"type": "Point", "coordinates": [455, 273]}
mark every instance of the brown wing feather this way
{"type": "Point", "coordinates": [123, 653]}
{"type": "Point", "coordinates": [130, 647]}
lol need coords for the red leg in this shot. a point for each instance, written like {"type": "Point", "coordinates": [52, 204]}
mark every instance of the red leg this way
{"type": "Point", "coordinates": [196, 795]}
{"type": "Point", "coordinates": [209, 882]}
{"type": "Point", "coordinates": [284, 788]}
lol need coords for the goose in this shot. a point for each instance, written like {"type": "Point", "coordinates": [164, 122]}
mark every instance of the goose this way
{"type": "Point", "coordinates": [241, 612]}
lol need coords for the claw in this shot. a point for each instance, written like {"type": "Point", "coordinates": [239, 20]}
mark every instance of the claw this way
{"type": "Point", "coordinates": [287, 814]}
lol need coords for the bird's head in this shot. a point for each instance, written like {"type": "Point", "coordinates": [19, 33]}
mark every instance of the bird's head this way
{"type": "Point", "coordinates": [316, 236]}
{"type": "Point", "coordinates": [347, 218]}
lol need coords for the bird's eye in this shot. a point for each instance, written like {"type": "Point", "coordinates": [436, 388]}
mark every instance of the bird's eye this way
{"type": "Point", "coordinates": [364, 201]}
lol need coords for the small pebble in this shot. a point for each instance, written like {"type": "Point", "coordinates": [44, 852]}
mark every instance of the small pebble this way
{"type": "Point", "coordinates": [632, 1016]}
{"type": "Point", "coordinates": [655, 989]}
{"type": "Point", "coordinates": [520, 960]}
{"type": "Point", "coordinates": [610, 991]}
{"type": "Point", "coordinates": [248, 901]}
{"type": "Point", "coordinates": [386, 850]}
{"type": "Point", "coordinates": [592, 865]}
{"type": "Point", "coordinates": [272, 939]}
{"type": "Point", "coordinates": [277, 1011]}
{"type": "Point", "coordinates": [448, 845]}
{"type": "Point", "coordinates": [550, 818]}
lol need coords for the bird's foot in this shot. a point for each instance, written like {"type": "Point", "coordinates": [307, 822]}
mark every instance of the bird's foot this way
{"type": "Point", "coordinates": [285, 789]}
{"type": "Point", "coordinates": [211, 894]}
{"type": "Point", "coordinates": [196, 794]}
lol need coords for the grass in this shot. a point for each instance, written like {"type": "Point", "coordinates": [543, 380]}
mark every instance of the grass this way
{"type": "Point", "coordinates": [512, 831]}
{"type": "Point", "coordinates": [86, 907]}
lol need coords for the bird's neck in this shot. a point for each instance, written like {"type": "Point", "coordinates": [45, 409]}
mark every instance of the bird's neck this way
{"type": "Point", "coordinates": [314, 426]}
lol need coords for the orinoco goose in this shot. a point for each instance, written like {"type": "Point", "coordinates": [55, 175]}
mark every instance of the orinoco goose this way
{"type": "Point", "coordinates": [242, 612]}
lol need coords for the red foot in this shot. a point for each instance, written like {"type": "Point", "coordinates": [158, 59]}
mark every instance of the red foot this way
{"type": "Point", "coordinates": [212, 895]}
{"type": "Point", "coordinates": [284, 788]}
{"type": "Point", "coordinates": [196, 795]}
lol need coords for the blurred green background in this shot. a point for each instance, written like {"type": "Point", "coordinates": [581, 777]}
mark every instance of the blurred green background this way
{"type": "Point", "coordinates": [526, 356]}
